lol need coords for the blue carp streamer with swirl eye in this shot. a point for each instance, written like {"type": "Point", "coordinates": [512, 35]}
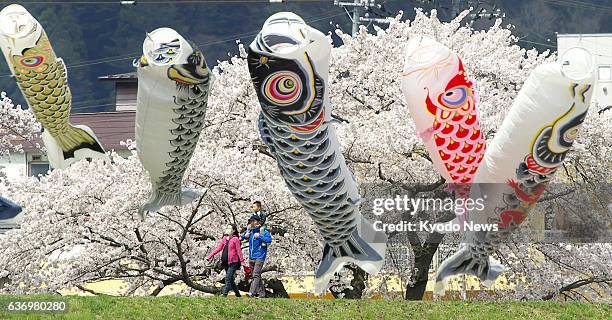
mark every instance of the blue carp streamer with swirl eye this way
{"type": "Point", "coordinates": [289, 66]}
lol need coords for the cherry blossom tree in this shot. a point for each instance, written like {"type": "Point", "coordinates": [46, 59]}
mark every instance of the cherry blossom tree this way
{"type": "Point", "coordinates": [80, 224]}
{"type": "Point", "coordinates": [578, 270]}
{"type": "Point", "coordinates": [16, 126]}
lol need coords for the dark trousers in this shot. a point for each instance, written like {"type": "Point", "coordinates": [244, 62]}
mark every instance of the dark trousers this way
{"type": "Point", "coordinates": [230, 274]}
{"type": "Point", "coordinates": [257, 286]}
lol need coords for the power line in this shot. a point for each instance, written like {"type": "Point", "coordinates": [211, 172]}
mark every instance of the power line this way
{"type": "Point", "coordinates": [182, 2]}
{"type": "Point", "coordinates": [538, 43]}
{"type": "Point", "coordinates": [82, 105]}
{"type": "Point", "coordinates": [497, 13]}
{"type": "Point", "coordinates": [556, 47]}
{"type": "Point", "coordinates": [580, 5]}
{"type": "Point", "coordinates": [137, 54]}
{"type": "Point", "coordinates": [130, 3]}
{"type": "Point", "coordinates": [372, 12]}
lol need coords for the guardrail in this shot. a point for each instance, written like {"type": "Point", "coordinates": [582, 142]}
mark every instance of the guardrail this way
{"type": "Point", "coordinates": [4, 227]}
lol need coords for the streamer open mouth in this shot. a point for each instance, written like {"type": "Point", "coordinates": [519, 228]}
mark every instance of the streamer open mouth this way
{"type": "Point", "coordinates": [280, 43]}
{"type": "Point", "coordinates": [283, 33]}
{"type": "Point", "coordinates": [17, 22]}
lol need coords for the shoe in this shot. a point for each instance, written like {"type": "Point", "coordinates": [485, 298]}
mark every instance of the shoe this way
{"type": "Point", "coordinates": [249, 295]}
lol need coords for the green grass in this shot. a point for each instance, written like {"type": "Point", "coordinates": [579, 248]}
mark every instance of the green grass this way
{"type": "Point", "coordinates": [106, 307]}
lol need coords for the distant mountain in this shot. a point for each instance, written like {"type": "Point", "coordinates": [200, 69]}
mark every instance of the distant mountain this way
{"type": "Point", "coordinates": [100, 39]}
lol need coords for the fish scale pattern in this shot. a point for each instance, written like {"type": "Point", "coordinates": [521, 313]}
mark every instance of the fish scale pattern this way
{"type": "Point", "coordinates": [312, 170]}
{"type": "Point", "coordinates": [48, 94]}
{"type": "Point", "coordinates": [190, 109]}
{"type": "Point", "coordinates": [456, 127]}
{"type": "Point", "coordinates": [49, 97]}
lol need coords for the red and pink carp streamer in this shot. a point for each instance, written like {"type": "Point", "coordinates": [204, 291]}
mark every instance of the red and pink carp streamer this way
{"type": "Point", "coordinates": [443, 103]}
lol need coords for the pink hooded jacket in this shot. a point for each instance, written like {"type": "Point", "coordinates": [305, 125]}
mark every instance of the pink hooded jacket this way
{"type": "Point", "coordinates": [234, 252]}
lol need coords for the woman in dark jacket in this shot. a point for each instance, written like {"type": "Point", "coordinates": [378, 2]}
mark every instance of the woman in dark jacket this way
{"type": "Point", "coordinates": [231, 257]}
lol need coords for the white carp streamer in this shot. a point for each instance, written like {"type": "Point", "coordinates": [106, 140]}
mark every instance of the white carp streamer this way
{"type": "Point", "coordinates": [173, 87]}
{"type": "Point", "coordinates": [289, 66]}
{"type": "Point", "coordinates": [530, 145]}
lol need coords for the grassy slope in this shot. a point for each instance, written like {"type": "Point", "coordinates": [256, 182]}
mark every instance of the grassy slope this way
{"type": "Point", "coordinates": [105, 307]}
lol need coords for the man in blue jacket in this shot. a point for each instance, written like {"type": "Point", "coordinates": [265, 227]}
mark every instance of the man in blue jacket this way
{"type": "Point", "coordinates": [259, 239]}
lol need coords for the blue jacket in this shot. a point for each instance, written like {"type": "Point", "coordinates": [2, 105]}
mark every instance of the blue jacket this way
{"type": "Point", "coordinates": [258, 247]}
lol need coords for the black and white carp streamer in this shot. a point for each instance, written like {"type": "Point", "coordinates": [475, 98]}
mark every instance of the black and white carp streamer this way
{"type": "Point", "coordinates": [289, 66]}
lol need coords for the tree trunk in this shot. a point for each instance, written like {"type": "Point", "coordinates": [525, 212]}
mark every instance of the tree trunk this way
{"type": "Point", "coordinates": [358, 284]}
{"type": "Point", "coordinates": [277, 288]}
{"type": "Point", "coordinates": [423, 255]}
{"type": "Point", "coordinates": [416, 291]}
{"type": "Point", "coordinates": [274, 288]}
{"type": "Point", "coordinates": [159, 289]}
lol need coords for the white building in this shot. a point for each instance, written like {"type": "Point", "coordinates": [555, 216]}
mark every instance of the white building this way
{"type": "Point", "coordinates": [110, 127]}
{"type": "Point", "coordinates": [600, 46]}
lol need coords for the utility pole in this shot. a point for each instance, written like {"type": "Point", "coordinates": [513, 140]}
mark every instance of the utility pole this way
{"type": "Point", "coordinates": [367, 7]}
{"type": "Point", "coordinates": [481, 13]}
{"type": "Point", "coordinates": [356, 17]}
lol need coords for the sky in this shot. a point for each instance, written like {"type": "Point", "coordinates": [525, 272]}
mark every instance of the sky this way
{"type": "Point", "coordinates": [219, 24]}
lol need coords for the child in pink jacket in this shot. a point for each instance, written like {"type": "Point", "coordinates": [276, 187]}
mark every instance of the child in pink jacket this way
{"type": "Point", "coordinates": [231, 257]}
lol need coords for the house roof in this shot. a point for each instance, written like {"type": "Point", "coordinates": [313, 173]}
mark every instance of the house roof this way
{"type": "Point", "coordinates": [584, 35]}
{"type": "Point", "coordinates": [130, 76]}
{"type": "Point", "coordinates": [110, 127]}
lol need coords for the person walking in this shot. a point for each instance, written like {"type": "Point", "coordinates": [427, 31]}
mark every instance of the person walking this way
{"type": "Point", "coordinates": [259, 238]}
{"type": "Point", "coordinates": [231, 257]}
